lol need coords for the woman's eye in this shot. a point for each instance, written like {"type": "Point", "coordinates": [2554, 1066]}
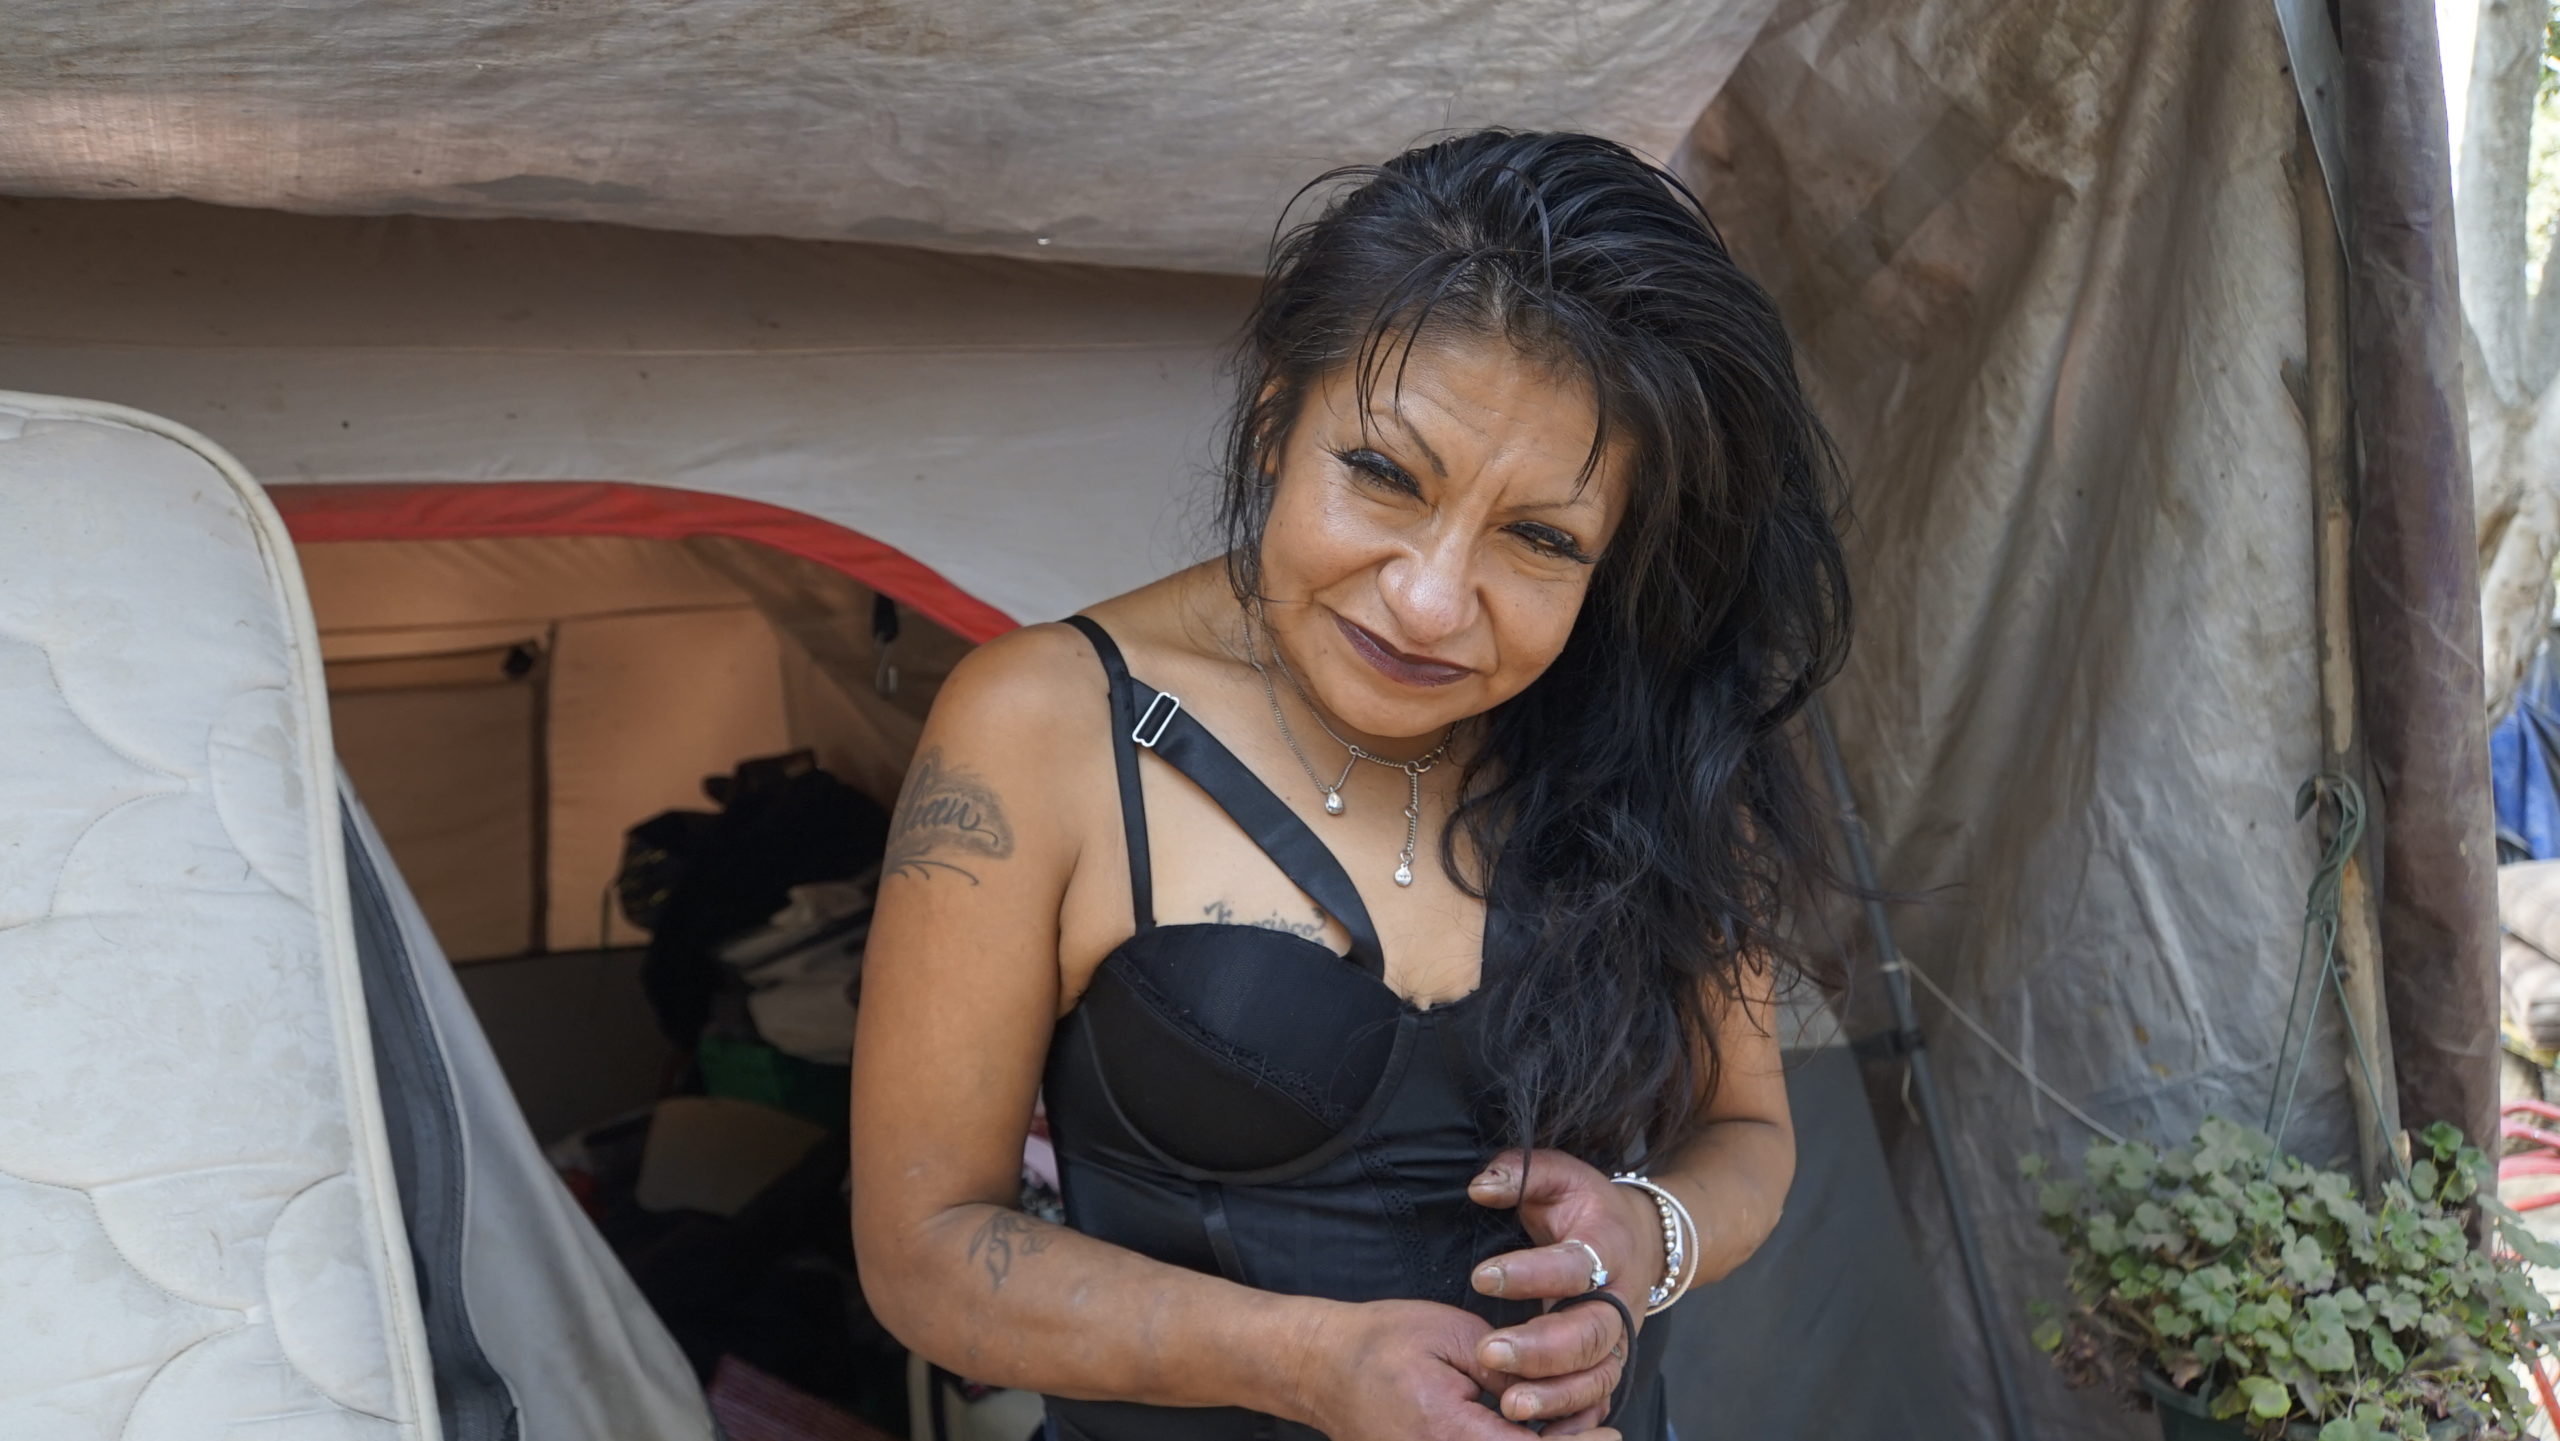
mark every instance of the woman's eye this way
{"type": "Point", "coordinates": [1376, 469]}
{"type": "Point", "coordinates": [1548, 540]}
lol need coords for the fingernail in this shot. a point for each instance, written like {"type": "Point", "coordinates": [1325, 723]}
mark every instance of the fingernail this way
{"type": "Point", "coordinates": [1520, 1405]}
{"type": "Point", "coordinates": [1500, 1356]}
{"type": "Point", "coordinates": [1489, 1280]}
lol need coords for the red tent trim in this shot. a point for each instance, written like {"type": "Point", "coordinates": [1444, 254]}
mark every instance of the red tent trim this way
{"type": "Point", "coordinates": [468, 510]}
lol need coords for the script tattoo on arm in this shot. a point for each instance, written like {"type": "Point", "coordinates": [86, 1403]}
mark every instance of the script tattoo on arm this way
{"type": "Point", "coordinates": [946, 816]}
{"type": "Point", "coordinates": [1005, 1235]}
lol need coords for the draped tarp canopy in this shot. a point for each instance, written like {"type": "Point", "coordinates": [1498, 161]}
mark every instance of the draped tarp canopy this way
{"type": "Point", "coordinates": [1144, 132]}
{"type": "Point", "coordinates": [2045, 261]}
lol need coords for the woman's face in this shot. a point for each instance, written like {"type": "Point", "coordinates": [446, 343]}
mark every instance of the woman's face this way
{"type": "Point", "coordinates": [1429, 565]}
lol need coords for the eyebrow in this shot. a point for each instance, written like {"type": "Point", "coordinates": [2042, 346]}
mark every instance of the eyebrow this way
{"type": "Point", "coordinates": [1438, 467]}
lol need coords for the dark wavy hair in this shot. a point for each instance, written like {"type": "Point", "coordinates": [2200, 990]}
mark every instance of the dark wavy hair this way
{"type": "Point", "coordinates": [1640, 803]}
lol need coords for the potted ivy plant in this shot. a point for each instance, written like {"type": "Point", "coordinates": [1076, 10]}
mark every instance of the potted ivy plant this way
{"type": "Point", "coordinates": [2248, 1294]}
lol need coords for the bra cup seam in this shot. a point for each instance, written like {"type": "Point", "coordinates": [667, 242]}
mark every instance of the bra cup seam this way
{"type": "Point", "coordinates": [1390, 1080]}
{"type": "Point", "coordinates": [1211, 1044]}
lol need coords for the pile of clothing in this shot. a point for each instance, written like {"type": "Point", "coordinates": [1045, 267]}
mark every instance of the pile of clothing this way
{"type": "Point", "coordinates": [726, 1199]}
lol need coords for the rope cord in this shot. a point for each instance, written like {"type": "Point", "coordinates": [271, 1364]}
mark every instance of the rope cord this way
{"type": "Point", "coordinates": [2320, 921]}
{"type": "Point", "coordinates": [1983, 1033]}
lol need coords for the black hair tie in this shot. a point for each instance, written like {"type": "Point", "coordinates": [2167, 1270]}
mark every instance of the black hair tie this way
{"type": "Point", "coordinates": [1627, 1320]}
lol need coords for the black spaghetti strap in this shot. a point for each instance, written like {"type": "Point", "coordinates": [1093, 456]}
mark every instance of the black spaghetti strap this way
{"type": "Point", "coordinates": [1124, 759]}
{"type": "Point", "coordinates": [1306, 861]}
{"type": "Point", "coordinates": [1188, 747]}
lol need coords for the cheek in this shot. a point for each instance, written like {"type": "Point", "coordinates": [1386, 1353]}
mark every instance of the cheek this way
{"type": "Point", "coordinates": [1316, 536]}
{"type": "Point", "coordinates": [1532, 620]}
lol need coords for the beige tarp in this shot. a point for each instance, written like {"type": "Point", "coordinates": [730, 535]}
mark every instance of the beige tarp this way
{"type": "Point", "coordinates": [2044, 265]}
{"type": "Point", "coordinates": [1144, 132]}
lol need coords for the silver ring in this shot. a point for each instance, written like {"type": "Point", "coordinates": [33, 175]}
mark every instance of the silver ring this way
{"type": "Point", "coordinates": [1599, 1268]}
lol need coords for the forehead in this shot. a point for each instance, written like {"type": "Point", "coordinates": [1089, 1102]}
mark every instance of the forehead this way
{"type": "Point", "coordinates": [1483, 406]}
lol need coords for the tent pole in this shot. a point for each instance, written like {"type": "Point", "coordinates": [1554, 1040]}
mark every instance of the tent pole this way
{"type": "Point", "coordinates": [1924, 1086]}
{"type": "Point", "coordinates": [2324, 290]}
{"type": "Point", "coordinates": [2415, 573]}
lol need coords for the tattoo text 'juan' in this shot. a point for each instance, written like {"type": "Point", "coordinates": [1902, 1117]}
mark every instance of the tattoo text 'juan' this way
{"type": "Point", "coordinates": [946, 815]}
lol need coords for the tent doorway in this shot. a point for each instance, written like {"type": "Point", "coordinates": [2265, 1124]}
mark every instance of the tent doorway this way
{"type": "Point", "coordinates": [510, 707]}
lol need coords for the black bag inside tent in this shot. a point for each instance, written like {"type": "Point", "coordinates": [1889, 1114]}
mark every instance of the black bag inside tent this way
{"type": "Point", "coordinates": [695, 879]}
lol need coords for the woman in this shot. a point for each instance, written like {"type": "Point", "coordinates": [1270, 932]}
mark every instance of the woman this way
{"type": "Point", "coordinates": [1364, 901]}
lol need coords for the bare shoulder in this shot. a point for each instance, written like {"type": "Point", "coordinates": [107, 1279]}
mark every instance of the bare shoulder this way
{"type": "Point", "coordinates": [998, 778]}
{"type": "Point", "coordinates": [1020, 686]}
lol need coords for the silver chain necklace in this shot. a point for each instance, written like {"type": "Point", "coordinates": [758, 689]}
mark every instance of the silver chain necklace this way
{"type": "Point", "coordinates": [1333, 803]}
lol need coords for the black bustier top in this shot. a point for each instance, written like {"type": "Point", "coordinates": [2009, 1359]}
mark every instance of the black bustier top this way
{"type": "Point", "coordinates": [1247, 1103]}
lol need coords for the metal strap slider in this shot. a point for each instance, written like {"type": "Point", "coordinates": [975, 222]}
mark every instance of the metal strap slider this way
{"type": "Point", "coordinates": [1166, 703]}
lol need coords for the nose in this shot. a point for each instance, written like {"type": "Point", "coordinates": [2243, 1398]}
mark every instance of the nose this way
{"type": "Point", "coordinates": [1430, 588]}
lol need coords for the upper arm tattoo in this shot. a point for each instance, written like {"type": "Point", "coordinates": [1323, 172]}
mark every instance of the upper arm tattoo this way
{"type": "Point", "coordinates": [946, 815]}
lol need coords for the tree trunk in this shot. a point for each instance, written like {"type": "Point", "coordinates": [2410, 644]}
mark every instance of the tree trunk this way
{"type": "Point", "coordinates": [2513, 346]}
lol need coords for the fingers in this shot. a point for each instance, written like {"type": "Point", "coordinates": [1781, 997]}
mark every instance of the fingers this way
{"type": "Point", "coordinates": [1584, 1422]}
{"type": "Point", "coordinates": [1557, 1195]}
{"type": "Point", "coordinates": [1542, 1178]}
{"type": "Point", "coordinates": [1555, 1272]}
{"type": "Point", "coordinates": [1558, 1343]}
{"type": "Point", "coordinates": [1480, 1423]}
{"type": "Point", "coordinates": [1498, 1184]}
{"type": "Point", "coordinates": [1561, 1396]}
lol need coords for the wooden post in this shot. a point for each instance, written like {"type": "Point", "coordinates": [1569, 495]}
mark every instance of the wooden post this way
{"type": "Point", "coordinates": [2380, 1146]}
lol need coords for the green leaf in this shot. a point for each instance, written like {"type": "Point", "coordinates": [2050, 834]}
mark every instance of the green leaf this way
{"type": "Point", "coordinates": [2398, 1309]}
{"type": "Point", "coordinates": [2213, 1222]}
{"type": "Point", "coordinates": [2326, 1346]}
{"type": "Point", "coordinates": [2387, 1354]}
{"type": "Point", "coordinates": [2047, 1335]}
{"type": "Point", "coordinates": [2423, 1179]}
{"type": "Point", "coordinates": [2337, 1196]}
{"type": "Point", "coordinates": [2442, 1137]}
{"type": "Point", "coordinates": [2267, 1398]}
{"type": "Point", "coordinates": [2222, 1146]}
{"type": "Point", "coordinates": [2520, 1238]}
{"type": "Point", "coordinates": [2105, 1238]}
{"type": "Point", "coordinates": [2262, 1204]}
{"type": "Point", "coordinates": [2171, 1322]}
{"type": "Point", "coordinates": [2057, 1198]}
{"type": "Point", "coordinates": [2306, 1265]}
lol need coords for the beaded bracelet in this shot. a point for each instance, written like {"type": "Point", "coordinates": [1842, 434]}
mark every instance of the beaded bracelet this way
{"type": "Point", "coordinates": [1677, 1232]}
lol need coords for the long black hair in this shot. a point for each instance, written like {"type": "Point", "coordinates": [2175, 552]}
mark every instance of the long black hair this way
{"type": "Point", "coordinates": [1640, 802]}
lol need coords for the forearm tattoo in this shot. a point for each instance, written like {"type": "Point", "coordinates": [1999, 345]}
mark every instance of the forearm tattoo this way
{"type": "Point", "coordinates": [946, 816]}
{"type": "Point", "coordinates": [1004, 1236]}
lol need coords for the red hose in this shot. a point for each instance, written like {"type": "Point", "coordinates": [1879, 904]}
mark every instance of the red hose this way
{"type": "Point", "coordinates": [2541, 1382]}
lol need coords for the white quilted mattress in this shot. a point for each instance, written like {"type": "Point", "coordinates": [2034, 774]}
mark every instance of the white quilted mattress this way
{"type": "Point", "coordinates": [199, 1228]}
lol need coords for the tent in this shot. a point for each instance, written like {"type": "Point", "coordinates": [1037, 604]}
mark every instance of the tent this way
{"type": "Point", "coordinates": [2066, 279]}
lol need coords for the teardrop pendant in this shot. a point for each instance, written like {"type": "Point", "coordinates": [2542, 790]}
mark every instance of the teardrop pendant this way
{"type": "Point", "coordinates": [1333, 803]}
{"type": "Point", "coordinates": [1404, 875]}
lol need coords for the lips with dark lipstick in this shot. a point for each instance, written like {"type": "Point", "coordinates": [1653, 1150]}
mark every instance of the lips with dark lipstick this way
{"type": "Point", "coordinates": [1396, 665]}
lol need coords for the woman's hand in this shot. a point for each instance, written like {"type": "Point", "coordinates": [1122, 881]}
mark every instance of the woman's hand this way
{"type": "Point", "coordinates": [1569, 1361]}
{"type": "Point", "coordinates": [1403, 1371]}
